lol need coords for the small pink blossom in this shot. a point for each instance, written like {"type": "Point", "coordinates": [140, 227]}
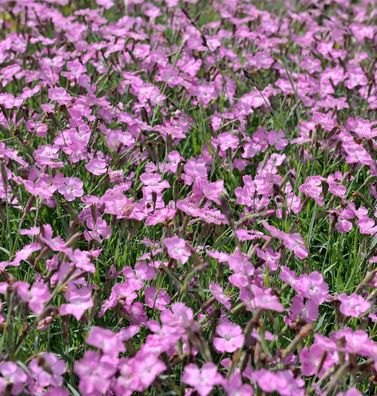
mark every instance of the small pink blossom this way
{"type": "Point", "coordinates": [218, 292]}
{"type": "Point", "coordinates": [202, 379]}
{"type": "Point", "coordinates": [95, 374]}
{"type": "Point", "coordinates": [79, 301]}
{"type": "Point", "coordinates": [60, 95]}
{"type": "Point", "coordinates": [96, 167]}
{"type": "Point", "coordinates": [71, 188]}
{"type": "Point", "coordinates": [47, 370]}
{"type": "Point", "coordinates": [177, 249]}
{"type": "Point", "coordinates": [12, 377]}
{"type": "Point", "coordinates": [105, 340]}
{"type": "Point", "coordinates": [353, 305]}
{"type": "Point", "coordinates": [230, 337]}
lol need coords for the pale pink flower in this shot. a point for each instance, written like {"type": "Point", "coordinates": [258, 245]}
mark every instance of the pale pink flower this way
{"type": "Point", "coordinates": [353, 305]}
{"type": "Point", "coordinates": [177, 249]}
{"type": "Point", "coordinates": [202, 380]}
{"type": "Point", "coordinates": [79, 301]}
{"type": "Point", "coordinates": [229, 337]}
{"type": "Point", "coordinates": [71, 188]}
{"type": "Point", "coordinates": [96, 167]}
{"type": "Point", "coordinates": [13, 377]}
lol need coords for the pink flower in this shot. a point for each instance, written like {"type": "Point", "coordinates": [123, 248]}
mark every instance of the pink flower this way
{"type": "Point", "coordinates": [125, 383]}
{"type": "Point", "coordinates": [239, 263]}
{"type": "Point", "coordinates": [177, 249]}
{"type": "Point", "coordinates": [44, 187]}
{"type": "Point", "coordinates": [59, 95]}
{"type": "Point", "coordinates": [21, 255]}
{"type": "Point", "coordinates": [335, 186]}
{"type": "Point", "coordinates": [37, 297]}
{"type": "Point", "coordinates": [311, 358]}
{"type": "Point", "coordinates": [54, 391]}
{"type": "Point", "coordinates": [353, 305]}
{"type": "Point", "coordinates": [97, 167]}
{"type": "Point", "coordinates": [80, 300]}
{"type": "Point", "coordinates": [179, 317]}
{"type": "Point", "coordinates": [230, 337]}
{"type": "Point", "coordinates": [226, 141]}
{"type": "Point", "coordinates": [202, 380]}
{"type": "Point", "coordinates": [156, 299]}
{"type": "Point", "coordinates": [350, 392]}
{"type": "Point", "coordinates": [194, 169]}
{"type": "Point", "coordinates": [81, 260]}
{"type": "Point", "coordinates": [48, 155]}
{"type": "Point", "coordinates": [356, 342]}
{"type": "Point", "coordinates": [71, 188]}
{"type": "Point", "coordinates": [105, 340]}
{"type": "Point", "coordinates": [313, 287]}
{"type": "Point", "coordinates": [218, 292]}
{"type": "Point", "coordinates": [105, 3]}
{"type": "Point", "coordinates": [146, 368]}
{"type": "Point", "coordinates": [258, 297]}
{"type": "Point", "coordinates": [12, 377]}
{"type": "Point", "coordinates": [47, 370]}
{"type": "Point", "coordinates": [234, 386]}
{"type": "Point", "coordinates": [282, 382]}
{"type": "Point", "coordinates": [313, 188]}
{"type": "Point", "coordinates": [308, 310]}
{"type": "Point", "coordinates": [293, 242]}
{"type": "Point", "coordinates": [95, 374]}
{"type": "Point", "coordinates": [97, 230]}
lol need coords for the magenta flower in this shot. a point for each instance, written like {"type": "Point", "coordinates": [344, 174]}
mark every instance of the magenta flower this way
{"type": "Point", "coordinates": [60, 95]}
{"type": "Point", "coordinates": [202, 380]}
{"type": "Point", "coordinates": [48, 155]}
{"type": "Point", "coordinates": [21, 255]}
{"type": "Point", "coordinates": [44, 187]}
{"type": "Point", "coordinates": [12, 377]}
{"type": "Point", "coordinates": [95, 374]}
{"type": "Point", "coordinates": [313, 188]}
{"type": "Point", "coordinates": [307, 310]}
{"type": "Point", "coordinates": [71, 188]}
{"type": "Point", "coordinates": [146, 367]}
{"type": "Point", "coordinates": [234, 386]}
{"type": "Point", "coordinates": [47, 370]}
{"type": "Point", "coordinates": [185, 169]}
{"type": "Point", "coordinates": [79, 300]}
{"type": "Point", "coordinates": [81, 260]}
{"type": "Point", "coordinates": [54, 391]}
{"type": "Point", "coordinates": [261, 298]}
{"type": "Point", "coordinates": [97, 230]}
{"type": "Point", "coordinates": [356, 341]}
{"type": "Point", "coordinates": [293, 242]}
{"type": "Point", "coordinates": [353, 305]}
{"type": "Point", "coordinates": [36, 297]}
{"type": "Point", "coordinates": [282, 382]}
{"type": "Point", "coordinates": [156, 299]}
{"type": "Point", "coordinates": [311, 359]}
{"type": "Point", "coordinates": [105, 3]}
{"type": "Point", "coordinates": [350, 392]}
{"type": "Point", "coordinates": [105, 340]}
{"type": "Point", "coordinates": [177, 249]}
{"type": "Point", "coordinates": [97, 167]}
{"type": "Point", "coordinates": [39, 295]}
{"type": "Point", "coordinates": [218, 292]}
{"type": "Point", "coordinates": [230, 337]}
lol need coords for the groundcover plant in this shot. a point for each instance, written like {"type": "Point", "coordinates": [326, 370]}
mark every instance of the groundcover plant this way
{"type": "Point", "coordinates": [188, 197]}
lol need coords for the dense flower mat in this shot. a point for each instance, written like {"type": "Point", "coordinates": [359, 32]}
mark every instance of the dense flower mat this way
{"type": "Point", "coordinates": [188, 197]}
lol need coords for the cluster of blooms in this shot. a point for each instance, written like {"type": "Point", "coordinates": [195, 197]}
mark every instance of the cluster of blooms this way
{"type": "Point", "coordinates": [168, 169]}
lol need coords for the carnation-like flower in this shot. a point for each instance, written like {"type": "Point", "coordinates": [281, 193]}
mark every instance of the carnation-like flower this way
{"type": "Point", "coordinates": [229, 337]}
{"type": "Point", "coordinates": [177, 249]}
{"type": "Point", "coordinates": [353, 305]}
